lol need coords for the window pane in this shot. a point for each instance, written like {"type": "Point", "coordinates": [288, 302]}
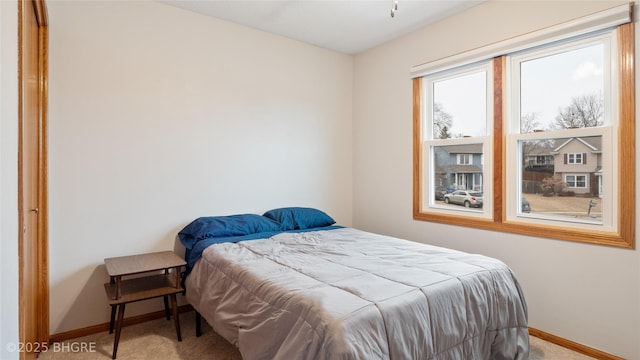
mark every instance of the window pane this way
{"type": "Point", "coordinates": [562, 178]}
{"type": "Point", "coordinates": [460, 106]}
{"type": "Point", "coordinates": [563, 91]}
{"type": "Point", "coordinates": [458, 182]}
{"type": "Point", "coordinates": [588, 205]}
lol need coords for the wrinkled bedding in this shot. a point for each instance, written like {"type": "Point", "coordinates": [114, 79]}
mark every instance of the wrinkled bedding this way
{"type": "Point", "coordinates": [350, 294]}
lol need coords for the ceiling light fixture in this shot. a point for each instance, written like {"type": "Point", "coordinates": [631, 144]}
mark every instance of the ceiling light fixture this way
{"type": "Point", "coordinates": [394, 7]}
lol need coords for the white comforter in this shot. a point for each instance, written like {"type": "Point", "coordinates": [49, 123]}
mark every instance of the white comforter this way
{"type": "Point", "coordinates": [349, 294]}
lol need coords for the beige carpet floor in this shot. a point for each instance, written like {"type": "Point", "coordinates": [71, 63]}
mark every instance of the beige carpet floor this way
{"type": "Point", "coordinates": [157, 339]}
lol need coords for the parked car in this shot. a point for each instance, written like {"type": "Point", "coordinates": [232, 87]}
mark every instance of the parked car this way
{"type": "Point", "coordinates": [440, 193]}
{"type": "Point", "coordinates": [526, 206]}
{"type": "Point", "coordinates": [464, 197]}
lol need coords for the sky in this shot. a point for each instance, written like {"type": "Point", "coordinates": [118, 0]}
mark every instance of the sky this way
{"type": "Point", "coordinates": [465, 99]}
{"type": "Point", "coordinates": [547, 84]}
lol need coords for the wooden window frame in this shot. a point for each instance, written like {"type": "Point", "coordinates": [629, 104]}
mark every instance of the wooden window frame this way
{"type": "Point", "coordinates": [624, 234]}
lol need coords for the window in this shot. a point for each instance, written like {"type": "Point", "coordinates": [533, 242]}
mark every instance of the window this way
{"type": "Point", "coordinates": [553, 121]}
{"type": "Point", "coordinates": [457, 137]}
{"type": "Point", "coordinates": [575, 158]}
{"type": "Point", "coordinates": [561, 96]}
{"type": "Point", "coordinates": [576, 181]}
{"type": "Point", "coordinates": [464, 159]}
{"type": "Point", "coordinates": [540, 160]}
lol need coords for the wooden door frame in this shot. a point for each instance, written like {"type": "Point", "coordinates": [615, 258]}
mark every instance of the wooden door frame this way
{"type": "Point", "coordinates": [41, 257]}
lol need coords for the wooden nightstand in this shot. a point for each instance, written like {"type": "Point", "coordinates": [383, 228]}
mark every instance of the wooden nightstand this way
{"type": "Point", "coordinates": [123, 291]}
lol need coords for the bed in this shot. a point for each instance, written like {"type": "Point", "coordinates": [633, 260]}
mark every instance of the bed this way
{"type": "Point", "coordinates": [292, 285]}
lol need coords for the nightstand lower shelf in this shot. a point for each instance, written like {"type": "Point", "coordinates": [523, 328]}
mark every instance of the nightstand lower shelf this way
{"type": "Point", "coordinates": [138, 289]}
{"type": "Point", "coordinates": [142, 288]}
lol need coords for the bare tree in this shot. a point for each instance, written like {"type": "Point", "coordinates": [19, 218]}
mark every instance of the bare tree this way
{"type": "Point", "coordinates": [529, 122]}
{"type": "Point", "coordinates": [584, 111]}
{"type": "Point", "coordinates": [442, 122]}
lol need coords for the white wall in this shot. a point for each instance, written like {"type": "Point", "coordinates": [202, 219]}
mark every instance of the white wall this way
{"type": "Point", "coordinates": [8, 178]}
{"type": "Point", "coordinates": [586, 293]}
{"type": "Point", "coordinates": [158, 116]}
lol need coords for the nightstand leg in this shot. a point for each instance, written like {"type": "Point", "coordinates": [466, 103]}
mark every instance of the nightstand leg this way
{"type": "Point", "coordinates": [174, 305]}
{"type": "Point", "coordinates": [113, 318]}
{"type": "Point", "coordinates": [166, 307]}
{"type": "Point", "coordinates": [118, 330]}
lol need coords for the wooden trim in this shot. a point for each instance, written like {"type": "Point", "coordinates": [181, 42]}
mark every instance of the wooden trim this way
{"type": "Point", "coordinates": [626, 135]}
{"type": "Point", "coordinates": [417, 147]}
{"type": "Point", "coordinates": [43, 183]}
{"type": "Point", "coordinates": [499, 177]}
{"type": "Point", "coordinates": [95, 329]}
{"type": "Point", "coordinates": [40, 251]}
{"type": "Point", "coordinates": [40, 8]}
{"type": "Point", "coordinates": [572, 345]}
{"type": "Point", "coordinates": [623, 237]}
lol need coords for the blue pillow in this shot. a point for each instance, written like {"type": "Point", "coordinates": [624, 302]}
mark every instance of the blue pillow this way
{"type": "Point", "coordinates": [225, 226]}
{"type": "Point", "coordinates": [294, 218]}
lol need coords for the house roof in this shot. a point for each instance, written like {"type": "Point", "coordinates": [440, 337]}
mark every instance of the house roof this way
{"type": "Point", "coordinates": [463, 149]}
{"type": "Point", "coordinates": [553, 146]}
{"type": "Point", "coordinates": [592, 142]}
{"type": "Point", "coordinates": [465, 168]}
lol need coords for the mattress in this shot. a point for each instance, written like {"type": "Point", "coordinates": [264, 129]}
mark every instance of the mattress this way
{"type": "Point", "coordinates": [351, 294]}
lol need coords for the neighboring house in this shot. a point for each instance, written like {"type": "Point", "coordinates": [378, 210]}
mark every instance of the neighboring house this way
{"type": "Point", "coordinates": [576, 160]}
{"type": "Point", "coordinates": [579, 162]}
{"type": "Point", "coordinates": [537, 164]}
{"type": "Point", "coordinates": [538, 159]}
{"type": "Point", "coordinates": [459, 167]}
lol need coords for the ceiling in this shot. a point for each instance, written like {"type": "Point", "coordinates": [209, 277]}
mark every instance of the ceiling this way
{"type": "Point", "coordinates": [346, 26]}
